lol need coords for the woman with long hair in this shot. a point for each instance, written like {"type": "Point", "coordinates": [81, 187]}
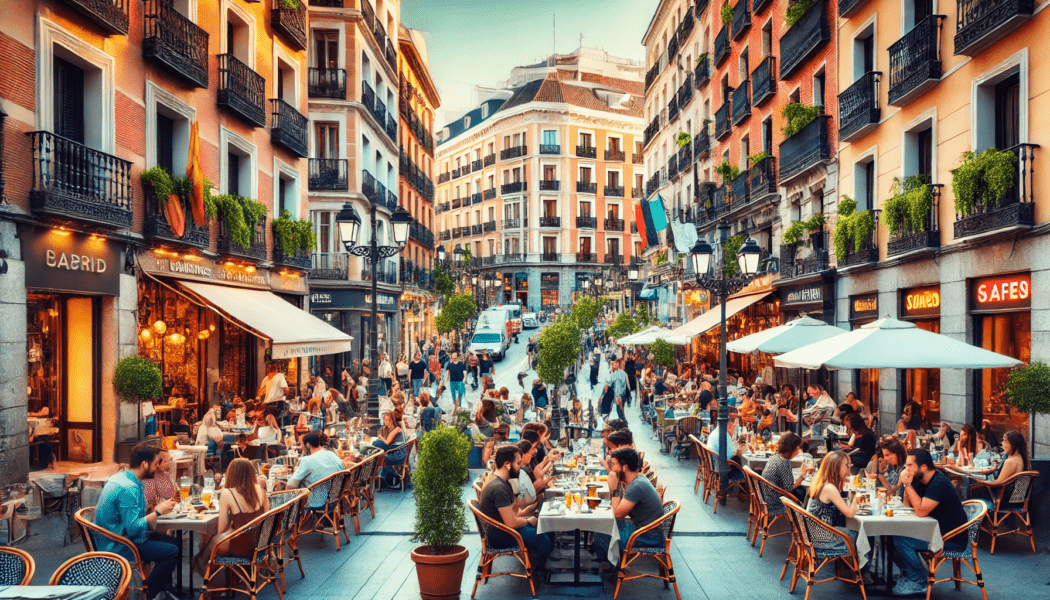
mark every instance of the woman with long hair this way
{"type": "Point", "coordinates": [209, 433]}
{"type": "Point", "coordinates": [825, 496]}
{"type": "Point", "coordinates": [1016, 461]}
{"type": "Point", "coordinates": [966, 447]}
{"type": "Point", "coordinates": [888, 463]}
{"type": "Point", "coordinates": [240, 502]}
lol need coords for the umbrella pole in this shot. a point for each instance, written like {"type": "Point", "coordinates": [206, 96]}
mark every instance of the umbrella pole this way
{"type": "Point", "coordinates": [798, 407]}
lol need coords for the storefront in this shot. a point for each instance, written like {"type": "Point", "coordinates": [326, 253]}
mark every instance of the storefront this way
{"type": "Point", "coordinates": [1000, 307]}
{"type": "Point", "coordinates": [922, 306]}
{"type": "Point", "coordinates": [549, 297]}
{"type": "Point", "coordinates": [350, 311]}
{"type": "Point", "coordinates": [521, 287]}
{"type": "Point", "coordinates": [815, 299]}
{"type": "Point", "coordinates": [72, 282]}
{"type": "Point", "coordinates": [864, 309]}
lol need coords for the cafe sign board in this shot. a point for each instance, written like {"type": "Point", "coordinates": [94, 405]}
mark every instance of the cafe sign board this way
{"type": "Point", "coordinates": [864, 306]}
{"type": "Point", "coordinates": [199, 268]}
{"type": "Point", "coordinates": [921, 302]}
{"type": "Point", "coordinates": [67, 261]}
{"type": "Point", "coordinates": [1001, 293]}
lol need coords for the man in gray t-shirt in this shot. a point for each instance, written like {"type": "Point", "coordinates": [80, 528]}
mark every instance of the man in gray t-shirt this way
{"type": "Point", "coordinates": [633, 496]}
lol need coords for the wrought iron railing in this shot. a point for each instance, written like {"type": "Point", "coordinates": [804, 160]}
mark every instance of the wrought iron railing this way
{"type": "Point", "coordinates": [918, 236]}
{"type": "Point", "coordinates": [614, 190]}
{"type": "Point", "coordinates": [550, 149]}
{"type": "Point", "coordinates": [741, 102]}
{"type": "Point", "coordinates": [155, 223]}
{"type": "Point", "coordinates": [331, 266]}
{"type": "Point", "coordinates": [722, 48]}
{"type": "Point", "coordinates": [702, 71]}
{"type": "Point", "coordinates": [741, 19]}
{"type": "Point", "coordinates": [290, 20]}
{"type": "Point", "coordinates": [328, 83]}
{"type": "Point", "coordinates": [550, 221]}
{"type": "Point", "coordinates": [1015, 209]}
{"type": "Point", "coordinates": [763, 178]}
{"type": "Point", "coordinates": [328, 174]}
{"type": "Point", "coordinates": [722, 121]}
{"type": "Point", "coordinates": [805, 149]}
{"type": "Point", "coordinates": [586, 222]}
{"type": "Point", "coordinates": [614, 155]}
{"type": "Point", "coordinates": [859, 106]}
{"type": "Point", "coordinates": [514, 152]}
{"type": "Point", "coordinates": [511, 223]}
{"type": "Point", "coordinates": [111, 15]}
{"type": "Point", "coordinates": [612, 224]}
{"type": "Point", "coordinates": [242, 90]}
{"type": "Point", "coordinates": [489, 194]}
{"type": "Point", "coordinates": [513, 188]}
{"type": "Point", "coordinates": [763, 81]}
{"type": "Point", "coordinates": [979, 23]}
{"type": "Point", "coordinates": [488, 226]}
{"type": "Point", "coordinates": [550, 185]}
{"type": "Point", "coordinates": [256, 250]}
{"type": "Point", "coordinates": [586, 257]}
{"type": "Point", "coordinates": [915, 60]}
{"type": "Point", "coordinates": [175, 42]}
{"type": "Point", "coordinates": [585, 187]}
{"type": "Point", "coordinates": [701, 143]}
{"type": "Point", "coordinates": [803, 39]}
{"type": "Point", "coordinates": [586, 151]}
{"type": "Point", "coordinates": [848, 7]}
{"type": "Point", "coordinates": [288, 127]}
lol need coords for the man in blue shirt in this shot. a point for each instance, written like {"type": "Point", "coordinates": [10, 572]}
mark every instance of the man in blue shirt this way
{"type": "Point", "coordinates": [318, 464]}
{"type": "Point", "coordinates": [618, 382]}
{"type": "Point", "coordinates": [122, 510]}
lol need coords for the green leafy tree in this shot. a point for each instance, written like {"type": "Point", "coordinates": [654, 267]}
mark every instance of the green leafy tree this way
{"type": "Point", "coordinates": [443, 282]}
{"type": "Point", "coordinates": [455, 313]}
{"type": "Point", "coordinates": [624, 325]}
{"type": "Point", "coordinates": [439, 500]}
{"type": "Point", "coordinates": [136, 379]}
{"type": "Point", "coordinates": [1028, 387]}
{"type": "Point", "coordinates": [559, 348]}
{"type": "Point", "coordinates": [641, 312]}
{"type": "Point", "coordinates": [585, 312]}
{"type": "Point", "coordinates": [733, 245]}
{"type": "Point", "coordinates": [663, 353]}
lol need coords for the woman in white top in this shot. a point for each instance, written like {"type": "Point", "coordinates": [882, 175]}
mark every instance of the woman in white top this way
{"type": "Point", "coordinates": [269, 431]}
{"type": "Point", "coordinates": [209, 434]}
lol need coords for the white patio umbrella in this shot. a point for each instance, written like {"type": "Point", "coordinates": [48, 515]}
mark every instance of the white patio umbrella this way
{"type": "Point", "coordinates": [785, 338]}
{"type": "Point", "coordinates": [644, 336]}
{"type": "Point", "coordinates": [892, 344]}
{"type": "Point", "coordinates": [671, 337]}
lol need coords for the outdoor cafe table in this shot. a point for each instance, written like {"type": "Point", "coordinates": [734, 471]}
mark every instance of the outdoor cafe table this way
{"type": "Point", "coordinates": [554, 517]}
{"type": "Point", "coordinates": [903, 523]}
{"type": "Point", "coordinates": [177, 524]}
{"type": "Point", "coordinates": [54, 592]}
{"type": "Point", "coordinates": [970, 475]}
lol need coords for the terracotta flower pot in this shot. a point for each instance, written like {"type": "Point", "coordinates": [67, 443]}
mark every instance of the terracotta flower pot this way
{"type": "Point", "coordinates": [440, 575]}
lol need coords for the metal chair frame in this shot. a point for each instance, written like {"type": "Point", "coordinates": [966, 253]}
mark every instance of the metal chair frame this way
{"type": "Point", "coordinates": [262, 567]}
{"type": "Point", "coordinates": [85, 518]}
{"type": "Point", "coordinates": [27, 562]}
{"type": "Point", "coordinates": [404, 470]}
{"type": "Point", "coordinates": [666, 522]}
{"type": "Point", "coordinates": [809, 563]}
{"type": "Point", "coordinates": [489, 555]}
{"type": "Point", "coordinates": [122, 586]}
{"type": "Point", "coordinates": [315, 519]}
{"type": "Point", "coordinates": [935, 559]}
{"type": "Point", "coordinates": [764, 520]}
{"type": "Point", "coordinates": [997, 516]}
{"type": "Point", "coordinates": [286, 534]}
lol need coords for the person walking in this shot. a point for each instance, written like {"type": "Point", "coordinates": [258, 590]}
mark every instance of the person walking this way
{"type": "Point", "coordinates": [455, 373]}
{"type": "Point", "coordinates": [472, 366]}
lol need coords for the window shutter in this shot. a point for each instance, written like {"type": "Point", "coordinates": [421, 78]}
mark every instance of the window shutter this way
{"type": "Point", "coordinates": [69, 100]}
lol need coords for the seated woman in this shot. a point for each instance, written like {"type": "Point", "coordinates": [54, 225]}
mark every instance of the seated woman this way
{"type": "Point", "coordinates": [1016, 451]}
{"type": "Point", "coordinates": [486, 417]}
{"type": "Point", "coordinates": [312, 420]}
{"type": "Point", "coordinates": [240, 502]}
{"type": "Point", "coordinates": [389, 437]}
{"type": "Point", "coordinates": [825, 498]}
{"type": "Point", "coordinates": [888, 463]}
{"type": "Point", "coordinates": [862, 441]}
{"type": "Point", "coordinates": [210, 435]}
{"type": "Point", "coordinates": [779, 471]}
{"type": "Point", "coordinates": [910, 423]}
{"type": "Point", "coordinates": [268, 431]}
{"type": "Point", "coordinates": [967, 446]}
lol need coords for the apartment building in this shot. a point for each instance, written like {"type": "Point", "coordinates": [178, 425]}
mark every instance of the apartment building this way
{"type": "Point", "coordinates": [920, 84]}
{"type": "Point", "coordinates": [354, 154]}
{"type": "Point", "coordinates": [103, 255]}
{"type": "Point", "coordinates": [419, 99]}
{"type": "Point", "coordinates": [539, 182]}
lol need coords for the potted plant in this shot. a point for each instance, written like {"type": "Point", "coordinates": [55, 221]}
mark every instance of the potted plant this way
{"type": "Point", "coordinates": [908, 209]}
{"type": "Point", "coordinates": [982, 180]}
{"type": "Point", "coordinates": [293, 235]}
{"type": "Point", "coordinates": [683, 139]}
{"type": "Point", "coordinates": [239, 215]}
{"type": "Point", "coordinates": [440, 514]}
{"type": "Point", "coordinates": [728, 173]}
{"type": "Point", "coordinates": [815, 226]}
{"type": "Point", "coordinates": [727, 14]}
{"type": "Point", "coordinates": [137, 380]}
{"type": "Point", "coordinates": [798, 115]}
{"type": "Point", "coordinates": [755, 160]}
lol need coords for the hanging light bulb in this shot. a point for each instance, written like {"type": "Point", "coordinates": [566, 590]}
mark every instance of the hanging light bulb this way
{"type": "Point", "coordinates": [145, 334]}
{"type": "Point", "coordinates": [160, 327]}
{"type": "Point", "coordinates": [249, 269]}
{"type": "Point", "coordinates": [211, 327]}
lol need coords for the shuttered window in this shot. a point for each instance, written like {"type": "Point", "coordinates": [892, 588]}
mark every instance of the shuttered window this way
{"type": "Point", "coordinates": [69, 100]}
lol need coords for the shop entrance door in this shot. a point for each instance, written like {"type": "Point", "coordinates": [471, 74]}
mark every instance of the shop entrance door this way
{"type": "Point", "coordinates": [81, 379]}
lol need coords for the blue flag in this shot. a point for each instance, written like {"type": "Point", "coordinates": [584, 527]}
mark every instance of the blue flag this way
{"type": "Point", "coordinates": [656, 207]}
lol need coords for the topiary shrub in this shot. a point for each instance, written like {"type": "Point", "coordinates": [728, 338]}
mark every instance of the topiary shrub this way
{"type": "Point", "coordinates": [1028, 388]}
{"type": "Point", "coordinates": [441, 471]}
{"type": "Point", "coordinates": [136, 379]}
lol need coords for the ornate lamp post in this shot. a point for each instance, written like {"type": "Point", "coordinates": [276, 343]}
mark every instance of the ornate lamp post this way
{"type": "Point", "coordinates": [349, 229]}
{"type": "Point", "coordinates": [721, 287]}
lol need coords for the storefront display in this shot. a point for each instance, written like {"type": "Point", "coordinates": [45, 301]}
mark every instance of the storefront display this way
{"type": "Point", "coordinates": [922, 306]}
{"type": "Point", "coordinates": [1002, 320]}
{"type": "Point", "coordinates": [864, 309]}
{"type": "Point", "coordinates": [549, 290]}
{"type": "Point", "coordinates": [350, 311]}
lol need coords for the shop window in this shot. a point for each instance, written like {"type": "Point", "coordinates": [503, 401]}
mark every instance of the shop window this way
{"type": "Point", "coordinates": [1009, 334]}
{"type": "Point", "coordinates": [924, 385]}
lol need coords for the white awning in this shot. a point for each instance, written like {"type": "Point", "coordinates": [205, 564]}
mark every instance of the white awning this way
{"type": "Point", "coordinates": [713, 317]}
{"type": "Point", "coordinates": [294, 333]}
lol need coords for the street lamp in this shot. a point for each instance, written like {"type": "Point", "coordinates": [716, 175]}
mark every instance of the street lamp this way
{"type": "Point", "coordinates": [441, 254]}
{"type": "Point", "coordinates": [721, 287]}
{"type": "Point", "coordinates": [349, 229]}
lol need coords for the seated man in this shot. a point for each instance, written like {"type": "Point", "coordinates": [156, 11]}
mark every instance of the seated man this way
{"type": "Point", "coordinates": [122, 510]}
{"type": "Point", "coordinates": [497, 503]}
{"type": "Point", "coordinates": [713, 443]}
{"type": "Point", "coordinates": [317, 464]}
{"type": "Point", "coordinates": [932, 494]}
{"type": "Point", "coordinates": [632, 496]}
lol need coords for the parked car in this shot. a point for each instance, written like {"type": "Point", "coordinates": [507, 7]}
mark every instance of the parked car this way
{"type": "Point", "coordinates": [490, 339]}
{"type": "Point", "coordinates": [529, 321]}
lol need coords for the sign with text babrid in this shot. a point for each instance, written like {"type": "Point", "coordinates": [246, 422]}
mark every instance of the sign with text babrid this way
{"type": "Point", "coordinates": [1001, 292]}
{"type": "Point", "coordinates": [66, 261]}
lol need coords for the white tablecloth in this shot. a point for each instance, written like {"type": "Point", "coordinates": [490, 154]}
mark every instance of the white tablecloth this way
{"type": "Point", "coordinates": [53, 592]}
{"type": "Point", "coordinates": [600, 520]}
{"type": "Point", "coordinates": [902, 523]}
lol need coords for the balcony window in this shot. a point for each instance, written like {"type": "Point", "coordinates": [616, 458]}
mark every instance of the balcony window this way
{"type": "Point", "coordinates": [803, 39]}
{"type": "Point", "coordinates": [980, 23]}
{"type": "Point", "coordinates": [915, 61]}
{"type": "Point", "coordinates": [175, 41]}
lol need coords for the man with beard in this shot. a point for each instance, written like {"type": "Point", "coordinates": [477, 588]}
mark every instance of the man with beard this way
{"type": "Point", "coordinates": [497, 503]}
{"type": "Point", "coordinates": [122, 510]}
{"type": "Point", "coordinates": [632, 496]}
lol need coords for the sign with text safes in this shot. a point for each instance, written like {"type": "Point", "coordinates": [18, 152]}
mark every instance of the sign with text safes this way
{"type": "Point", "coordinates": [1001, 293]}
{"type": "Point", "coordinates": [66, 261]}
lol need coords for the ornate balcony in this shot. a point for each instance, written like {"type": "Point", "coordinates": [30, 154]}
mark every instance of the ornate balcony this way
{"type": "Point", "coordinates": [741, 103]}
{"type": "Point", "coordinates": [489, 194]}
{"type": "Point", "coordinates": [443, 177]}
{"type": "Point", "coordinates": [586, 222]}
{"type": "Point", "coordinates": [327, 3]}
{"type": "Point", "coordinates": [175, 42]}
{"type": "Point", "coordinates": [701, 144]}
{"type": "Point", "coordinates": [672, 110]}
{"type": "Point", "coordinates": [672, 167]}
{"type": "Point", "coordinates": [722, 48]}
{"type": "Point", "coordinates": [475, 165]}
{"type": "Point", "coordinates": [614, 190]}
{"type": "Point", "coordinates": [636, 193]}
{"type": "Point", "coordinates": [585, 187]}
{"type": "Point", "coordinates": [915, 61]}
{"type": "Point", "coordinates": [242, 90]}
{"type": "Point", "coordinates": [927, 238]}
{"type": "Point", "coordinates": [673, 45]}
{"type": "Point", "coordinates": [867, 253]}
{"type": "Point", "coordinates": [476, 229]}
{"type": "Point", "coordinates": [980, 23]}
{"type": "Point", "coordinates": [804, 150]}
{"type": "Point", "coordinates": [741, 19]}
{"type": "Point", "coordinates": [290, 22]}
{"type": "Point", "coordinates": [550, 257]}
{"type": "Point", "coordinates": [803, 39]}
{"type": "Point", "coordinates": [328, 174]}
{"type": "Point", "coordinates": [330, 266]}
{"type": "Point", "coordinates": [475, 198]}
{"type": "Point", "coordinates": [614, 155]}
{"type": "Point", "coordinates": [391, 127]}
{"type": "Point", "coordinates": [457, 203]}
{"type": "Point", "coordinates": [685, 157]}
{"type": "Point", "coordinates": [613, 224]}
{"type": "Point", "coordinates": [859, 110]}
{"type": "Point", "coordinates": [1016, 210]}
{"type": "Point", "coordinates": [550, 185]}
{"type": "Point", "coordinates": [155, 223]}
{"type": "Point", "coordinates": [511, 223]}
{"type": "Point", "coordinates": [613, 259]}
{"type": "Point", "coordinates": [550, 221]}
{"type": "Point", "coordinates": [71, 180]}
{"type": "Point", "coordinates": [793, 266]}
{"type": "Point", "coordinates": [465, 231]}
{"type": "Point", "coordinates": [763, 81]}
{"type": "Point", "coordinates": [488, 226]}
{"type": "Point", "coordinates": [288, 127]}
{"type": "Point", "coordinates": [111, 15]}
{"type": "Point", "coordinates": [702, 71]}
{"type": "Point", "coordinates": [301, 259]}
{"type": "Point", "coordinates": [327, 83]}
{"type": "Point", "coordinates": [550, 149]}
{"type": "Point", "coordinates": [586, 257]}
{"type": "Point", "coordinates": [740, 190]}
{"type": "Point", "coordinates": [255, 251]}
{"type": "Point", "coordinates": [490, 160]}
{"type": "Point", "coordinates": [848, 7]}
{"type": "Point", "coordinates": [514, 152]}
{"type": "Point", "coordinates": [445, 235]}
{"type": "Point", "coordinates": [722, 124]}
{"type": "Point", "coordinates": [586, 151]}
{"type": "Point", "coordinates": [763, 178]}
{"type": "Point", "coordinates": [513, 188]}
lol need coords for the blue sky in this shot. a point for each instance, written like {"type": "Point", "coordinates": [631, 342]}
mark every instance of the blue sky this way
{"type": "Point", "coordinates": [477, 42]}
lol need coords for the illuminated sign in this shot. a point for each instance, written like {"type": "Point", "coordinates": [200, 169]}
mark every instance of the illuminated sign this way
{"type": "Point", "coordinates": [864, 307]}
{"type": "Point", "coordinates": [921, 302]}
{"type": "Point", "coordinates": [1002, 292]}
{"type": "Point", "coordinates": [63, 260]}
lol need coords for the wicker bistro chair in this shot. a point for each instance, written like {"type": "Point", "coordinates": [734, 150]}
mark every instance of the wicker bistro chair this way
{"type": "Point", "coordinates": [103, 569]}
{"type": "Point", "coordinates": [714, 480]}
{"type": "Point", "coordinates": [1004, 507]}
{"type": "Point", "coordinates": [16, 566]}
{"type": "Point", "coordinates": [253, 572]}
{"type": "Point", "coordinates": [324, 508]}
{"type": "Point", "coordinates": [661, 553]}
{"type": "Point", "coordinates": [350, 499]}
{"type": "Point", "coordinates": [489, 553]}
{"type": "Point", "coordinates": [90, 534]}
{"type": "Point", "coordinates": [286, 530]}
{"type": "Point", "coordinates": [367, 481]}
{"type": "Point", "coordinates": [976, 511]}
{"type": "Point", "coordinates": [815, 537]}
{"type": "Point", "coordinates": [666, 430]}
{"type": "Point", "coordinates": [701, 458]}
{"type": "Point", "coordinates": [767, 507]}
{"type": "Point", "coordinates": [687, 428]}
{"type": "Point", "coordinates": [397, 459]}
